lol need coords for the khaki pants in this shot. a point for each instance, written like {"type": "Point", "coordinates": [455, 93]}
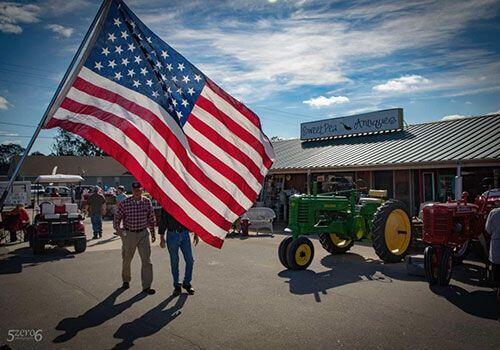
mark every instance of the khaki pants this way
{"type": "Point", "coordinates": [130, 242]}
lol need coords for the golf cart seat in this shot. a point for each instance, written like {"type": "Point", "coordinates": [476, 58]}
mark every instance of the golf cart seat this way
{"type": "Point", "coordinates": [48, 211]}
{"type": "Point", "coordinates": [72, 210]}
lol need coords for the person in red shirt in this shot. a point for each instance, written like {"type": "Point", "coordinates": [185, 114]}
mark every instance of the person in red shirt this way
{"type": "Point", "coordinates": [18, 219]}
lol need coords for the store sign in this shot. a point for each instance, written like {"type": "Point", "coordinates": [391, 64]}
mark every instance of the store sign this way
{"type": "Point", "coordinates": [389, 119]}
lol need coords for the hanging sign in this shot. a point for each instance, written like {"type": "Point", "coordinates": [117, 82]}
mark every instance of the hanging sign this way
{"type": "Point", "coordinates": [389, 119]}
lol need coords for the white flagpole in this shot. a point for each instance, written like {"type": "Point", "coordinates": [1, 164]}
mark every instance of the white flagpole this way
{"type": "Point", "coordinates": [63, 86]}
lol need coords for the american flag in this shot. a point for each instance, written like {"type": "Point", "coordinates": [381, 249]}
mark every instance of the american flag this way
{"type": "Point", "coordinates": [199, 152]}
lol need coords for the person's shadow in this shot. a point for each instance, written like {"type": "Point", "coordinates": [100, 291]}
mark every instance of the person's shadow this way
{"type": "Point", "coordinates": [102, 312]}
{"type": "Point", "coordinates": [344, 269]}
{"type": "Point", "coordinates": [149, 323]}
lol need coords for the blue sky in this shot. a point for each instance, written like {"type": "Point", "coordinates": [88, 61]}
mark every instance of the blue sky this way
{"type": "Point", "coordinates": [290, 61]}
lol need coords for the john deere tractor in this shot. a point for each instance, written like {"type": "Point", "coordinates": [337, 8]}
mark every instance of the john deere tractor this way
{"type": "Point", "coordinates": [341, 218]}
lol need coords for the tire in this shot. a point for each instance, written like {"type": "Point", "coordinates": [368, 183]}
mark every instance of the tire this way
{"type": "Point", "coordinates": [430, 267]}
{"type": "Point", "coordinates": [388, 240]}
{"type": "Point", "coordinates": [327, 242]}
{"type": "Point", "coordinates": [300, 253]}
{"type": "Point", "coordinates": [282, 251]}
{"type": "Point", "coordinates": [80, 245]}
{"type": "Point", "coordinates": [460, 253]}
{"type": "Point", "coordinates": [445, 267]}
{"type": "Point", "coordinates": [37, 246]}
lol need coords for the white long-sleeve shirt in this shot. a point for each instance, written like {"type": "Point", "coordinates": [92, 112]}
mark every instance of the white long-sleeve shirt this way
{"type": "Point", "coordinates": [493, 228]}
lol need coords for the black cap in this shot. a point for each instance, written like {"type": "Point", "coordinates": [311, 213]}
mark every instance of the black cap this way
{"type": "Point", "coordinates": [136, 184]}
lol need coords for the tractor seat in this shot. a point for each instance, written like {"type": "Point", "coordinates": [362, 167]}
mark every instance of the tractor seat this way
{"type": "Point", "coordinates": [370, 200]}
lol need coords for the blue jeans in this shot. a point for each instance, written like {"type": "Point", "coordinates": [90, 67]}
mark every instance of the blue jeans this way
{"type": "Point", "coordinates": [96, 224]}
{"type": "Point", "coordinates": [176, 240]}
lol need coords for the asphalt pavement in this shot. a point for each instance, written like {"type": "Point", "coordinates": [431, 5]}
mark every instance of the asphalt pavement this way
{"type": "Point", "coordinates": [244, 299]}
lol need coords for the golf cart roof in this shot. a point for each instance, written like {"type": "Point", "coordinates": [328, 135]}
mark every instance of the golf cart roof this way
{"type": "Point", "coordinates": [59, 178]}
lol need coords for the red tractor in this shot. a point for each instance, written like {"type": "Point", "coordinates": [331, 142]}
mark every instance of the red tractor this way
{"type": "Point", "coordinates": [448, 230]}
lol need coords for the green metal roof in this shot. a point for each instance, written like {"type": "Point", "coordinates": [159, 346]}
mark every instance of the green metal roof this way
{"type": "Point", "coordinates": [468, 140]}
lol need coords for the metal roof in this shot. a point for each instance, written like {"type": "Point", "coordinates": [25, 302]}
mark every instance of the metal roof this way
{"type": "Point", "coordinates": [473, 139]}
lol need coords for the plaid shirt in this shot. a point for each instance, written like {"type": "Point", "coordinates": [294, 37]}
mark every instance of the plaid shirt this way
{"type": "Point", "coordinates": [136, 215]}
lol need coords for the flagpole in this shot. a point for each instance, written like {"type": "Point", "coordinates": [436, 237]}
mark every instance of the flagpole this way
{"type": "Point", "coordinates": [104, 6]}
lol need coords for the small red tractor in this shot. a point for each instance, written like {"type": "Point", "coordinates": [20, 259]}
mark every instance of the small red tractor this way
{"type": "Point", "coordinates": [449, 229]}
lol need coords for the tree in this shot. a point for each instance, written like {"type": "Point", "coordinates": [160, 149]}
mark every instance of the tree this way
{"type": "Point", "coordinates": [7, 152]}
{"type": "Point", "coordinates": [69, 144]}
{"type": "Point", "coordinates": [37, 153]}
{"type": "Point", "coordinates": [276, 138]}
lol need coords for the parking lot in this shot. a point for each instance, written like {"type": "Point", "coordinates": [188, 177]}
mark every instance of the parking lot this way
{"type": "Point", "coordinates": [244, 300]}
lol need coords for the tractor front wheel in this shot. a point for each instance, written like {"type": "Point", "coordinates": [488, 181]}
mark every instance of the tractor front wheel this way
{"type": "Point", "coordinates": [445, 267]}
{"type": "Point", "coordinates": [438, 264]}
{"type": "Point", "coordinates": [300, 253]}
{"type": "Point", "coordinates": [391, 231]}
{"type": "Point", "coordinates": [431, 265]}
{"type": "Point", "coordinates": [333, 244]}
{"type": "Point", "coordinates": [282, 249]}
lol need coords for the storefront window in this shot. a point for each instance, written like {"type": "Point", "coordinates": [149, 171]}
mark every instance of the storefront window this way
{"type": "Point", "coordinates": [383, 180]}
{"type": "Point", "coordinates": [402, 182]}
{"type": "Point", "coordinates": [428, 187]}
{"type": "Point", "coordinates": [446, 187]}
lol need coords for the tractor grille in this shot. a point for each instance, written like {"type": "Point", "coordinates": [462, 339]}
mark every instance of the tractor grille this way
{"type": "Point", "coordinates": [303, 213]}
{"type": "Point", "coordinates": [437, 225]}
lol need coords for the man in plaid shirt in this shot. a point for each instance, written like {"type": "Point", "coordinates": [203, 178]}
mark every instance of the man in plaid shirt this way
{"type": "Point", "coordinates": [138, 215]}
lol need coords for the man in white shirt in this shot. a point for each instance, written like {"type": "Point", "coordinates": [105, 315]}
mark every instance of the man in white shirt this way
{"type": "Point", "coordinates": [493, 228]}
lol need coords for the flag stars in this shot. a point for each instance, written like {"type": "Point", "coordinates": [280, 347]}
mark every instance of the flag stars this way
{"type": "Point", "coordinates": [131, 73]}
{"type": "Point", "coordinates": [118, 75]}
{"type": "Point", "coordinates": [164, 54]}
{"type": "Point", "coordinates": [112, 64]}
{"type": "Point", "coordinates": [190, 91]}
{"type": "Point", "coordinates": [125, 61]}
{"type": "Point", "coordinates": [98, 66]}
{"type": "Point", "coordinates": [158, 64]}
{"type": "Point", "coordinates": [131, 47]}
{"type": "Point", "coordinates": [149, 82]}
{"type": "Point", "coordinates": [180, 66]}
{"type": "Point", "coordinates": [144, 71]}
{"type": "Point", "coordinates": [136, 83]}
{"type": "Point", "coordinates": [105, 51]}
{"type": "Point", "coordinates": [132, 24]}
{"type": "Point", "coordinates": [155, 94]}
{"type": "Point", "coordinates": [185, 103]}
{"type": "Point", "coordinates": [185, 78]}
{"type": "Point", "coordinates": [174, 102]}
{"type": "Point", "coordinates": [174, 79]}
{"type": "Point", "coordinates": [112, 37]}
{"type": "Point", "coordinates": [148, 39]}
{"type": "Point", "coordinates": [197, 78]}
{"type": "Point", "coordinates": [169, 90]}
{"type": "Point", "coordinates": [179, 91]}
{"type": "Point", "coordinates": [137, 59]}
{"type": "Point", "coordinates": [170, 108]}
{"type": "Point", "coordinates": [118, 49]}
{"type": "Point", "coordinates": [169, 67]}
{"type": "Point", "coordinates": [124, 35]}
{"type": "Point", "coordinates": [179, 114]}
{"type": "Point", "coordinates": [117, 22]}
{"type": "Point", "coordinates": [163, 77]}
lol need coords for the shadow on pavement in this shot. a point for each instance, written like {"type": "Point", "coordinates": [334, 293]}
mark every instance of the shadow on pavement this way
{"type": "Point", "coordinates": [149, 323]}
{"type": "Point", "coordinates": [101, 241]}
{"type": "Point", "coordinates": [102, 312]}
{"type": "Point", "coordinates": [479, 303]}
{"type": "Point", "coordinates": [18, 258]}
{"type": "Point", "coordinates": [344, 269]}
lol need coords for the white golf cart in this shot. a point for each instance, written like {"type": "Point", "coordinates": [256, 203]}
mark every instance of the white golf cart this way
{"type": "Point", "coordinates": [57, 221]}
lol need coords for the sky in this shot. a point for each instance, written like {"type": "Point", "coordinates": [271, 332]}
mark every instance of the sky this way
{"type": "Point", "coordinates": [289, 61]}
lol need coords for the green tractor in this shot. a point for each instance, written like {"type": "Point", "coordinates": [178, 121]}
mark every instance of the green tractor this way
{"type": "Point", "coordinates": [340, 218]}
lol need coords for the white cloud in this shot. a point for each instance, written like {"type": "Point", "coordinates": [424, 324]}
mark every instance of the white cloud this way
{"type": "Point", "coordinates": [468, 102]}
{"type": "Point", "coordinates": [13, 14]}
{"type": "Point", "coordinates": [323, 101]}
{"type": "Point", "coordinates": [453, 117]}
{"type": "Point", "coordinates": [4, 104]}
{"type": "Point", "coordinates": [60, 30]}
{"type": "Point", "coordinates": [403, 84]}
{"type": "Point", "coordinates": [493, 113]}
{"type": "Point", "coordinates": [8, 133]}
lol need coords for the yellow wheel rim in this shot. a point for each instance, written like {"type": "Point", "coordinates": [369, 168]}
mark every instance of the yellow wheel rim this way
{"type": "Point", "coordinates": [339, 242]}
{"type": "Point", "coordinates": [303, 254]}
{"type": "Point", "coordinates": [397, 232]}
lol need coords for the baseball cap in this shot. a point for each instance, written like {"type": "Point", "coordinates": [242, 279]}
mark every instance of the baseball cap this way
{"type": "Point", "coordinates": [121, 188]}
{"type": "Point", "coordinates": [136, 184]}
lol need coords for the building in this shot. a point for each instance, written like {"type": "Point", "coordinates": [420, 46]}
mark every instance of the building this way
{"type": "Point", "coordinates": [102, 171]}
{"type": "Point", "coordinates": [415, 164]}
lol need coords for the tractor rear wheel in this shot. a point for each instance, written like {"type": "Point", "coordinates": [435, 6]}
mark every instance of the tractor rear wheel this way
{"type": "Point", "coordinates": [391, 231]}
{"type": "Point", "coordinates": [282, 251]}
{"type": "Point", "coordinates": [431, 265]}
{"type": "Point", "coordinates": [300, 253]}
{"type": "Point", "coordinates": [333, 244]}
